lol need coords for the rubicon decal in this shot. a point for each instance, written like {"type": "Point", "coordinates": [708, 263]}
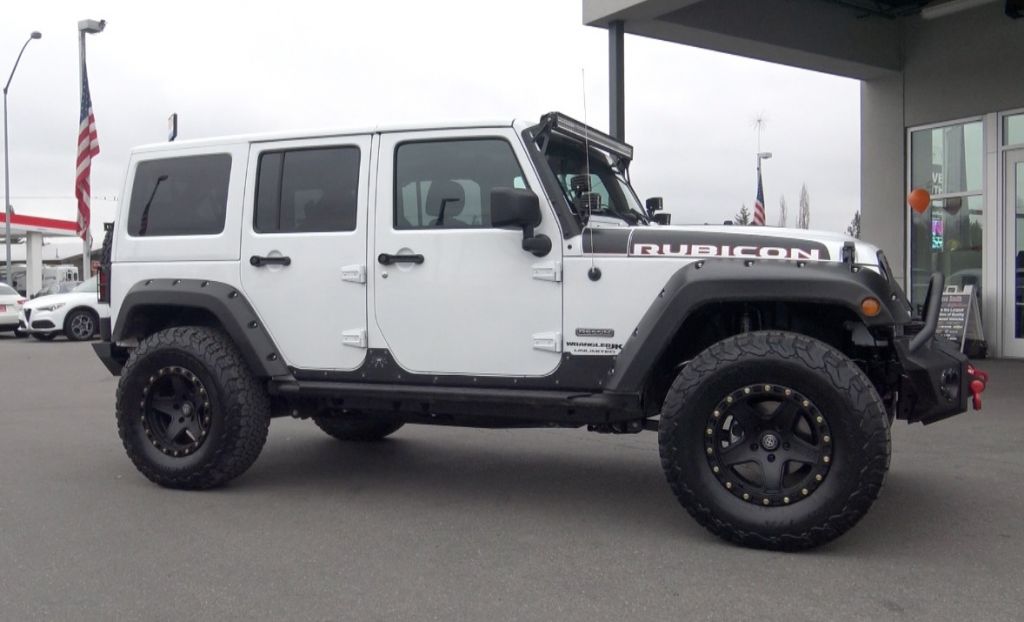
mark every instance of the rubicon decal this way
{"type": "Point", "coordinates": [667, 242]}
{"type": "Point", "coordinates": [725, 250]}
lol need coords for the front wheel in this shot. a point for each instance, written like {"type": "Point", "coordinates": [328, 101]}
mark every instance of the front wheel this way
{"type": "Point", "coordinates": [81, 325]}
{"type": "Point", "coordinates": [774, 440]}
{"type": "Point", "coordinates": [190, 413]}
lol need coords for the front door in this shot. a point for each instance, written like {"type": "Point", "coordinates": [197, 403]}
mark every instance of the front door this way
{"type": "Point", "coordinates": [1013, 285]}
{"type": "Point", "coordinates": [304, 248]}
{"type": "Point", "coordinates": [474, 302]}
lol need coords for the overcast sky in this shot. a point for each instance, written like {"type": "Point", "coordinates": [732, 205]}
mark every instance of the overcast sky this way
{"type": "Point", "coordinates": [238, 67]}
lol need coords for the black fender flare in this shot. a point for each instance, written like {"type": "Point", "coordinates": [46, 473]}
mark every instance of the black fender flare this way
{"type": "Point", "coordinates": [231, 309]}
{"type": "Point", "coordinates": [738, 280]}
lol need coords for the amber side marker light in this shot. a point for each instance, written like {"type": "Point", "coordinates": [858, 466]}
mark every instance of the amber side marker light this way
{"type": "Point", "coordinates": [870, 307]}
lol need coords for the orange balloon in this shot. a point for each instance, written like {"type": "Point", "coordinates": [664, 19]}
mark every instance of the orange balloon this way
{"type": "Point", "coordinates": [919, 200]}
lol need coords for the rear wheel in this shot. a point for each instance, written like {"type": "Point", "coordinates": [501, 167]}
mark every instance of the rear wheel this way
{"type": "Point", "coordinates": [81, 325]}
{"type": "Point", "coordinates": [774, 440]}
{"type": "Point", "coordinates": [190, 413]}
{"type": "Point", "coordinates": [356, 426]}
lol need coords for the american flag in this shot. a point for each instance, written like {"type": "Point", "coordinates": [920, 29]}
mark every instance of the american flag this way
{"type": "Point", "coordinates": [88, 148]}
{"type": "Point", "coordinates": [759, 201]}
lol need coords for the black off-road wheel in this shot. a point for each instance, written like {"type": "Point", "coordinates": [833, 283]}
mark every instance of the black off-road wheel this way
{"type": "Point", "coordinates": [356, 426]}
{"type": "Point", "coordinates": [774, 440]}
{"type": "Point", "coordinates": [81, 325]}
{"type": "Point", "coordinates": [190, 413]}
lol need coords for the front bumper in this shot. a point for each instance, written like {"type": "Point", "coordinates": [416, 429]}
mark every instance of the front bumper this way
{"type": "Point", "coordinates": [934, 383]}
{"type": "Point", "coordinates": [936, 379]}
{"type": "Point", "coordinates": [36, 321]}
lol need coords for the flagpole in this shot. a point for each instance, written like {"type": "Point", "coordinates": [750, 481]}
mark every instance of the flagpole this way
{"type": "Point", "coordinates": [86, 26]}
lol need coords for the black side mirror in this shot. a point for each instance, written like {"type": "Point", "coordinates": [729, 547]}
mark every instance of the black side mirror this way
{"type": "Point", "coordinates": [662, 219]}
{"type": "Point", "coordinates": [519, 207]}
{"type": "Point", "coordinates": [654, 204]}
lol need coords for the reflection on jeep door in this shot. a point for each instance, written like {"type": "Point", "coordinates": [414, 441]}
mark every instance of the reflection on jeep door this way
{"type": "Point", "coordinates": [477, 303]}
{"type": "Point", "coordinates": [304, 248]}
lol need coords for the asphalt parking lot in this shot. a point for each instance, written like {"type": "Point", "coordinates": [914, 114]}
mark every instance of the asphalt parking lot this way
{"type": "Point", "coordinates": [453, 524]}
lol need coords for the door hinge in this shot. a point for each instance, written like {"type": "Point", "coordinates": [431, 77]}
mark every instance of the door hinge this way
{"type": "Point", "coordinates": [354, 338]}
{"type": "Point", "coordinates": [549, 342]}
{"type": "Point", "coordinates": [355, 273]}
{"type": "Point", "coordinates": [550, 271]}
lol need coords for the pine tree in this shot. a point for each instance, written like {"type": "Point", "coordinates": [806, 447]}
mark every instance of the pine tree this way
{"type": "Point", "coordinates": [803, 219]}
{"type": "Point", "coordinates": [783, 216]}
{"type": "Point", "coordinates": [742, 217]}
{"type": "Point", "coordinates": [854, 229]}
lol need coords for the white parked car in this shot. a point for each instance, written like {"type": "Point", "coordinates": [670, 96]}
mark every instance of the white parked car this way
{"type": "Point", "coordinates": [10, 306]}
{"type": "Point", "coordinates": [77, 314]}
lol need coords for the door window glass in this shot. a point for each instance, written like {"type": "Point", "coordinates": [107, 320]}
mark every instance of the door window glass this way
{"type": "Point", "coordinates": [947, 237]}
{"type": "Point", "coordinates": [1013, 130]}
{"type": "Point", "coordinates": [180, 196]}
{"type": "Point", "coordinates": [447, 184]}
{"type": "Point", "coordinates": [307, 190]}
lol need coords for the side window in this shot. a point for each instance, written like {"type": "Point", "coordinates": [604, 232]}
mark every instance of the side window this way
{"type": "Point", "coordinates": [180, 196]}
{"type": "Point", "coordinates": [447, 184]}
{"type": "Point", "coordinates": [307, 190]}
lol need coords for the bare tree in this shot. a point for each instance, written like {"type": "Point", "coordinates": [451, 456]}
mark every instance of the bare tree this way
{"type": "Point", "coordinates": [853, 229]}
{"type": "Point", "coordinates": [742, 217]}
{"type": "Point", "coordinates": [803, 219]}
{"type": "Point", "coordinates": [783, 216]}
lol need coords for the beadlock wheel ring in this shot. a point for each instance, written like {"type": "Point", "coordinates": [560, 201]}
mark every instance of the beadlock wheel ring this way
{"type": "Point", "coordinates": [768, 445]}
{"type": "Point", "coordinates": [175, 411]}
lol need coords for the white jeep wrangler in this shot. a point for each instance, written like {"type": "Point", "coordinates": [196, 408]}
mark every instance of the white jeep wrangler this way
{"type": "Point", "coordinates": [506, 275]}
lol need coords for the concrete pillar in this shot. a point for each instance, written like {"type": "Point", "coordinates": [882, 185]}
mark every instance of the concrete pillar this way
{"type": "Point", "coordinates": [616, 81]}
{"type": "Point", "coordinates": [33, 263]}
{"type": "Point", "coordinates": [883, 185]}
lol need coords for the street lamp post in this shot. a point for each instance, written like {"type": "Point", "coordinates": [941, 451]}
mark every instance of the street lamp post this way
{"type": "Point", "coordinates": [7, 168]}
{"type": "Point", "coordinates": [90, 27]}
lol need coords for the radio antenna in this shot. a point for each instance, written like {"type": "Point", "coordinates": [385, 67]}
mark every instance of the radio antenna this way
{"type": "Point", "coordinates": [594, 273]}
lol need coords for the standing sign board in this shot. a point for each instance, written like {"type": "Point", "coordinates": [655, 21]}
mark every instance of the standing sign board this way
{"type": "Point", "coordinates": [959, 318]}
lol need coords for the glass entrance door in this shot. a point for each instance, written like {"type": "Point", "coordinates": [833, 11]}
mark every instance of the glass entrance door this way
{"type": "Point", "coordinates": [1014, 284]}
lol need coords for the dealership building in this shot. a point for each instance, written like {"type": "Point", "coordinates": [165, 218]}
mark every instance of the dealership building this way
{"type": "Point", "coordinates": [942, 108]}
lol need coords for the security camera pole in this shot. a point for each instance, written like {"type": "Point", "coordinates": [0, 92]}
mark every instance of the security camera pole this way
{"type": "Point", "coordinates": [87, 145]}
{"type": "Point", "coordinates": [7, 170]}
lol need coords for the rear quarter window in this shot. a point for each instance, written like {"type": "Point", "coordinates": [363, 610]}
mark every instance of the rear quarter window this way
{"type": "Point", "coordinates": [180, 196]}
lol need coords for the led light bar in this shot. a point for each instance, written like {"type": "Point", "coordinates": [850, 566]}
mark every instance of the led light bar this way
{"type": "Point", "coordinates": [571, 127]}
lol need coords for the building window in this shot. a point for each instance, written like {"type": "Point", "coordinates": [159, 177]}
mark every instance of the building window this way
{"type": "Point", "coordinates": [947, 237]}
{"type": "Point", "coordinates": [307, 190]}
{"type": "Point", "coordinates": [180, 196]}
{"type": "Point", "coordinates": [1013, 130]}
{"type": "Point", "coordinates": [447, 184]}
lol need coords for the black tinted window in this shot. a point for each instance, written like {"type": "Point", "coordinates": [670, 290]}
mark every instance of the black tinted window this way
{"type": "Point", "coordinates": [307, 190]}
{"type": "Point", "coordinates": [180, 196]}
{"type": "Point", "coordinates": [447, 184]}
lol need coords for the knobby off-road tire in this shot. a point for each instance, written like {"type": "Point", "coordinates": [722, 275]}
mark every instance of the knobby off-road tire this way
{"type": "Point", "coordinates": [355, 426]}
{"type": "Point", "coordinates": [734, 401]}
{"type": "Point", "coordinates": [190, 413]}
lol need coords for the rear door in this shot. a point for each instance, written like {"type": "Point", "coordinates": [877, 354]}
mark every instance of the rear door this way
{"type": "Point", "coordinates": [477, 303]}
{"type": "Point", "coordinates": [303, 257]}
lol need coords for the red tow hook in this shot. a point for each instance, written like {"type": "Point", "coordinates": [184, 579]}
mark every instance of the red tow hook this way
{"type": "Point", "coordinates": [978, 381]}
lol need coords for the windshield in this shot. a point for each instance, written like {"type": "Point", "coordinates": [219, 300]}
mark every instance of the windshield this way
{"type": "Point", "coordinates": [88, 287]}
{"type": "Point", "coordinates": [616, 198]}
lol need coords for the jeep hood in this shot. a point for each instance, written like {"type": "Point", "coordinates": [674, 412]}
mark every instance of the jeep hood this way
{"type": "Point", "coordinates": [725, 241]}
